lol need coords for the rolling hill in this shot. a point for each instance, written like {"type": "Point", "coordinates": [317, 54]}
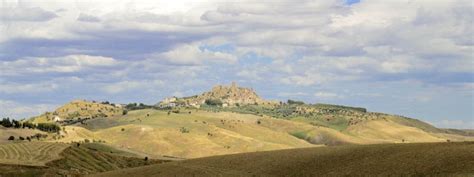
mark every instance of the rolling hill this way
{"type": "Point", "coordinates": [232, 119]}
{"type": "Point", "coordinates": [203, 133]}
{"type": "Point", "coordinates": [79, 109]}
{"type": "Point", "coordinates": [414, 159]}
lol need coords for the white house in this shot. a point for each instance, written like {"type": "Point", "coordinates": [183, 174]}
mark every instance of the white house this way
{"type": "Point", "coordinates": [57, 118]}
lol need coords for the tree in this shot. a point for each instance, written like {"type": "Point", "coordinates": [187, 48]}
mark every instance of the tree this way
{"type": "Point", "coordinates": [11, 138]}
{"type": "Point", "coordinates": [16, 124]}
{"type": "Point", "coordinates": [295, 102]}
{"type": "Point", "coordinates": [48, 127]}
{"type": "Point", "coordinates": [6, 122]}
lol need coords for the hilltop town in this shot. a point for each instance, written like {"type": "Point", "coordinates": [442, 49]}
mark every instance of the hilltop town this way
{"type": "Point", "coordinates": [220, 95]}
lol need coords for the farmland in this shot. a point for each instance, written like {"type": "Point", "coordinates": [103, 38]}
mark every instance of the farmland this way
{"type": "Point", "coordinates": [30, 153]}
{"type": "Point", "coordinates": [414, 159]}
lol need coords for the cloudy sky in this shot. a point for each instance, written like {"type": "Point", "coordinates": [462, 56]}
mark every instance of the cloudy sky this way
{"type": "Point", "coordinates": [406, 57]}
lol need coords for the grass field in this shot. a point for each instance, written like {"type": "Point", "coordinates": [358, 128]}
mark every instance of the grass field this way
{"type": "Point", "coordinates": [195, 133]}
{"type": "Point", "coordinates": [411, 159]}
{"type": "Point", "coordinates": [30, 153]}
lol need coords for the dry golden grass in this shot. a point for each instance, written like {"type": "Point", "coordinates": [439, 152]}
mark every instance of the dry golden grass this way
{"type": "Point", "coordinates": [79, 109]}
{"type": "Point", "coordinates": [30, 153]}
{"type": "Point", "coordinates": [219, 133]}
{"type": "Point", "coordinates": [390, 132]}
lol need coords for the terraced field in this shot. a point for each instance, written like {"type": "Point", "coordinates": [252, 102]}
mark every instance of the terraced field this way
{"type": "Point", "coordinates": [75, 161]}
{"type": "Point", "coordinates": [30, 153]}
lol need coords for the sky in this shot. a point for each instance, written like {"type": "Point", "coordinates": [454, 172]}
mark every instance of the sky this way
{"type": "Point", "coordinates": [406, 57]}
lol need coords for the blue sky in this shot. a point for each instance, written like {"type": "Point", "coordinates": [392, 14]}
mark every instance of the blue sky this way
{"type": "Point", "coordinates": [412, 58]}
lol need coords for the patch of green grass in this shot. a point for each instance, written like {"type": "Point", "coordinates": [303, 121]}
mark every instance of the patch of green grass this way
{"type": "Point", "coordinates": [107, 149]}
{"type": "Point", "coordinates": [299, 135]}
{"type": "Point", "coordinates": [337, 123]}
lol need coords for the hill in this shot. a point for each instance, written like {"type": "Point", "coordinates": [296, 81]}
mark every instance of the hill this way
{"type": "Point", "coordinates": [194, 133]}
{"type": "Point", "coordinates": [221, 95]}
{"type": "Point", "coordinates": [417, 159]}
{"type": "Point", "coordinates": [79, 109]}
{"type": "Point", "coordinates": [232, 119]}
{"type": "Point", "coordinates": [186, 135]}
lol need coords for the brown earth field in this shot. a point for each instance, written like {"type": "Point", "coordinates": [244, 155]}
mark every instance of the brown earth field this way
{"type": "Point", "coordinates": [414, 159]}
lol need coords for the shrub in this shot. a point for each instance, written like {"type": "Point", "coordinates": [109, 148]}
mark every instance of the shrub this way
{"type": "Point", "coordinates": [295, 102]}
{"type": "Point", "coordinates": [213, 102]}
{"type": "Point", "coordinates": [183, 130]}
{"type": "Point", "coordinates": [11, 138]}
{"type": "Point", "coordinates": [21, 138]}
{"type": "Point", "coordinates": [124, 112]}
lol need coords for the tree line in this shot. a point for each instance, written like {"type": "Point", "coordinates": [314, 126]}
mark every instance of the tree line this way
{"type": "Point", "coordinates": [46, 127]}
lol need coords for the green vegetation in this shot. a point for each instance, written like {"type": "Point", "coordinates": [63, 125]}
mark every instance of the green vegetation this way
{"type": "Point", "coordinates": [214, 102]}
{"type": "Point", "coordinates": [48, 127]}
{"type": "Point", "coordinates": [137, 106]}
{"type": "Point", "coordinates": [338, 107]}
{"type": "Point", "coordinates": [295, 102]}
{"type": "Point", "coordinates": [300, 135]}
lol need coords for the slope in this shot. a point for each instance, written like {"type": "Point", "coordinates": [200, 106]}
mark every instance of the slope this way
{"type": "Point", "coordinates": [417, 159]}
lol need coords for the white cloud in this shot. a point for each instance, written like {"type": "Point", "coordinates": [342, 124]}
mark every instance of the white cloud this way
{"type": "Point", "coordinates": [193, 55]}
{"type": "Point", "coordinates": [461, 124]}
{"type": "Point", "coordinates": [17, 110]}
{"type": "Point", "coordinates": [88, 18]}
{"type": "Point", "coordinates": [124, 86]}
{"type": "Point", "coordinates": [11, 88]}
{"type": "Point", "coordinates": [327, 95]}
{"type": "Point", "coordinates": [66, 64]}
{"type": "Point", "coordinates": [306, 43]}
{"type": "Point", "coordinates": [20, 13]}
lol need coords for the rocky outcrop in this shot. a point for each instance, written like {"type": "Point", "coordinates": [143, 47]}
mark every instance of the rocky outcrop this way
{"type": "Point", "coordinates": [232, 95]}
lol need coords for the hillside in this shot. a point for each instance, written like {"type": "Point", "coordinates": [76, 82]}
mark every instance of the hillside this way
{"type": "Point", "coordinates": [79, 109]}
{"type": "Point", "coordinates": [419, 159]}
{"type": "Point", "coordinates": [59, 159]}
{"type": "Point", "coordinates": [187, 135]}
{"type": "Point", "coordinates": [201, 133]}
{"type": "Point", "coordinates": [30, 153]}
{"type": "Point", "coordinates": [232, 119]}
